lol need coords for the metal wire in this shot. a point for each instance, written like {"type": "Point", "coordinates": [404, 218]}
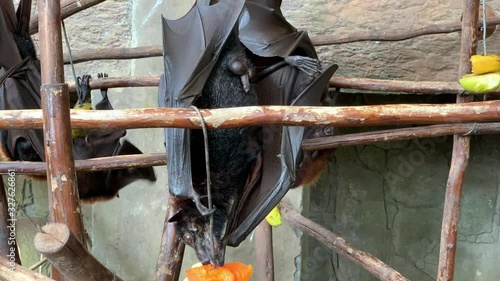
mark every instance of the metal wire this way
{"type": "Point", "coordinates": [207, 168]}
{"type": "Point", "coordinates": [77, 84]}
{"type": "Point", "coordinates": [484, 26]}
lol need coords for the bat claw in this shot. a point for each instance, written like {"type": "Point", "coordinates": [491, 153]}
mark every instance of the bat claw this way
{"type": "Point", "coordinates": [310, 66]}
{"type": "Point", "coordinates": [204, 211]}
{"type": "Point", "coordinates": [84, 88]}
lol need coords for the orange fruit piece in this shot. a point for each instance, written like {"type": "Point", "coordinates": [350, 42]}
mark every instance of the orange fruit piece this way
{"type": "Point", "coordinates": [233, 271]}
{"type": "Point", "coordinates": [241, 271]}
{"type": "Point", "coordinates": [207, 273]}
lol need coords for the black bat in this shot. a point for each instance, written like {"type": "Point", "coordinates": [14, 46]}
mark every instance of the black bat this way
{"type": "Point", "coordinates": [251, 168]}
{"type": "Point", "coordinates": [20, 89]}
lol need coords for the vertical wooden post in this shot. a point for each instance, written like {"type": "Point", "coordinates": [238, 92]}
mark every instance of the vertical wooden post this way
{"type": "Point", "coordinates": [264, 252]}
{"type": "Point", "coordinates": [168, 266]}
{"type": "Point", "coordinates": [461, 150]}
{"type": "Point", "coordinates": [61, 177]}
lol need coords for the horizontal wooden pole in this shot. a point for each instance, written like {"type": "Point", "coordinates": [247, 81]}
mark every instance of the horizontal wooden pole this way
{"type": "Point", "coordinates": [341, 116]}
{"type": "Point", "coordinates": [386, 86]}
{"type": "Point", "coordinates": [19, 273]}
{"type": "Point", "coordinates": [401, 134]}
{"type": "Point", "coordinates": [331, 240]}
{"type": "Point", "coordinates": [90, 165]}
{"type": "Point", "coordinates": [67, 254]}
{"type": "Point", "coordinates": [157, 51]}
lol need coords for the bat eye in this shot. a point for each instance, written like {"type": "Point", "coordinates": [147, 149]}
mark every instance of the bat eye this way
{"type": "Point", "coordinates": [237, 67]}
{"type": "Point", "coordinates": [188, 238]}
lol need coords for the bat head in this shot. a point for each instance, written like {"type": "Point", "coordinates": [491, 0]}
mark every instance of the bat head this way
{"type": "Point", "coordinates": [195, 231]}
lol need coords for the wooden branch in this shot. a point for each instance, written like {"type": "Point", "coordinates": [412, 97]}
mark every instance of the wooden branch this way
{"type": "Point", "coordinates": [341, 116]}
{"type": "Point", "coordinates": [264, 258]}
{"type": "Point", "coordinates": [114, 54]}
{"type": "Point", "coordinates": [169, 263]}
{"type": "Point", "coordinates": [68, 8]}
{"type": "Point", "coordinates": [90, 165]}
{"type": "Point", "coordinates": [8, 242]}
{"type": "Point", "coordinates": [401, 134]}
{"type": "Point", "coordinates": [392, 35]}
{"type": "Point", "coordinates": [118, 82]}
{"type": "Point", "coordinates": [460, 153]}
{"type": "Point", "coordinates": [157, 51]}
{"type": "Point", "coordinates": [64, 203]}
{"type": "Point", "coordinates": [412, 87]}
{"type": "Point", "coordinates": [67, 254]}
{"type": "Point", "coordinates": [386, 86]}
{"type": "Point", "coordinates": [19, 274]}
{"type": "Point", "coordinates": [372, 264]}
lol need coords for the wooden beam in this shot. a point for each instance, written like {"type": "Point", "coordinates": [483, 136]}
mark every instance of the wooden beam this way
{"type": "Point", "coordinates": [90, 165]}
{"type": "Point", "coordinates": [381, 85]}
{"type": "Point", "coordinates": [19, 274]}
{"type": "Point", "coordinates": [370, 263]}
{"type": "Point", "coordinates": [460, 153]}
{"type": "Point", "coordinates": [169, 263]}
{"type": "Point", "coordinates": [264, 257]}
{"type": "Point", "coordinates": [341, 116]}
{"type": "Point", "coordinates": [67, 254]}
{"type": "Point", "coordinates": [322, 40]}
{"type": "Point", "coordinates": [61, 176]}
{"type": "Point", "coordinates": [400, 134]}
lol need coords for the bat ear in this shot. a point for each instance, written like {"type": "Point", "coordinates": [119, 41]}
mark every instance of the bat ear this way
{"type": "Point", "coordinates": [176, 217]}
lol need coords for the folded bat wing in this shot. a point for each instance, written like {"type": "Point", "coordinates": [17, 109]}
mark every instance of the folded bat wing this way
{"type": "Point", "coordinates": [265, 32]}
{"type": "Point", "coordinates": [192, 45]}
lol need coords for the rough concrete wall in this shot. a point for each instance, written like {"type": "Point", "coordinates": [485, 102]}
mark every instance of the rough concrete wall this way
{"type": "Point", "coordinates": [387, 199]}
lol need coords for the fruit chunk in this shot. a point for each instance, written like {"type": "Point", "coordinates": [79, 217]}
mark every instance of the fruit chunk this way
{"type": "Point", "coordinates": [274, 217]}
{"type": "Point", "coordinates": [485, 64]}
{"type": "Point", "coordinates": [481, 84]}
{"type": "Point", "coordinates": [207, 273]}
{"type": "Point", "coordinates": [241, 271]}
{"type": "Point", "coordinates": [233, 271]}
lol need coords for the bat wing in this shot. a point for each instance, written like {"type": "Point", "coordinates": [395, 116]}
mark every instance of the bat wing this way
{"type": "Point", "coordinates": [192, 45]}
{"type": "Point", "coordinates": [266, 33]}
{"type": "Point", "coordinates": [104, 185]}
{"type": "Point", "coordinates": [281, 149]}
{"type": "Point", "coordinates": [9, 54]}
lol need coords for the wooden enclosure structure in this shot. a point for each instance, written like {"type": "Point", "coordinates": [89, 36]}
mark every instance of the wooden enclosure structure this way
{"type": "Point", "coordinates": [56, 117]}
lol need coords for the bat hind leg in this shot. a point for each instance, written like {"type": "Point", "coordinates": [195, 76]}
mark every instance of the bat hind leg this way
{"type": "Point", "coordinates": [204, 211]}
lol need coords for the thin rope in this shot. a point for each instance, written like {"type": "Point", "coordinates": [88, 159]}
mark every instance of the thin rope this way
{"type": "Point", "coordinates": [71, 63]}
{"type": "Point", "coordinates": [484, 27]}
{"type": "Point", "coordinates": [207, 168]}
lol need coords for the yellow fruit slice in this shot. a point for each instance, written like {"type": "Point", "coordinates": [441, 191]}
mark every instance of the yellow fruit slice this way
{"type": "Point", "coordinates": [485, 64]}
{"type": "Point", "coordinates": [274, 217]}
{"type": "Point", "coordinates": [481, 84]}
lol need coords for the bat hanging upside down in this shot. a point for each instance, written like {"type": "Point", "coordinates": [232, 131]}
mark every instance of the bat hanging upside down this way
{"type": "Point", "coordinates": [20, 89]}
{"type": "Point", "coordinates": [232, 53]}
